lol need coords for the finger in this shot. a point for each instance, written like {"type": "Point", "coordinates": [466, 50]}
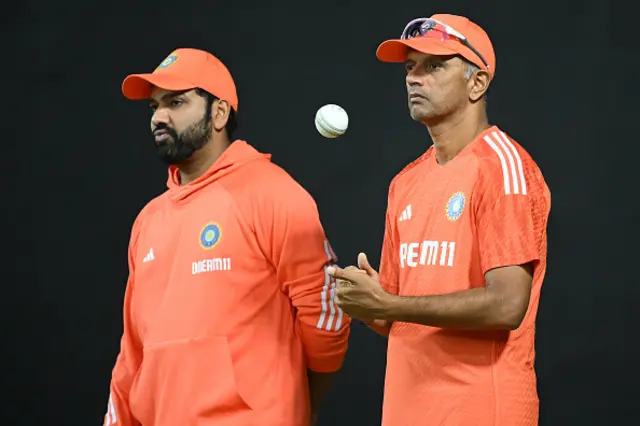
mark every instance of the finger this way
{"type": "Point", "coordinates": [355, 269]}
{"type": "Point", "coordinates": [346, 274]}
{"type": "Point", "coordinates": [353, 275]}
{"type": "Point", "coordinates": [335, 271]}
{"type": "Point", "coordinates": [363, 263]}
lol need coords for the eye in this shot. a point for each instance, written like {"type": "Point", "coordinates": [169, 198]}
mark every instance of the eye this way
{"type": "Point", "coordinates": [433, 66]}
{"type": "Point", "coordinates": [176, 103]}
{"type": "Point", "coordinates": [408, 67]}
{"type": "Point", "coordinates": [153, 107]}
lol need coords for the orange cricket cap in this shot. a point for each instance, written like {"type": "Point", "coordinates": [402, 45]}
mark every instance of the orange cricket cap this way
{"type": "Point", "coordinates": [396, 50]}
{"type": "Point", "coordinates": [185, 69]}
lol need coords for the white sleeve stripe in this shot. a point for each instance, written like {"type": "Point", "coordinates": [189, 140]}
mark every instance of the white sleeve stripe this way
{"type": "Point", "coordinates": [339, 321]}
{"type": "Point", "coordinates": [523, 182]}
{"type": "Point", "coordinates": [323, 296]}
{"type": "Point", "coordinates": [334, 289]}
{"type": "Point", "coordinates": [512, 164]}
{"type": "Point", "coordinates": [332, 301]}
{"type": "Point", "coordinates": [110, 417]}
{"type": "Point", "coordinates": [325, 288]}
{"type": "Point", "coordinates": [332, 304]}
{"type": "Point", "coordinates": [113, 409]}
{"type": "Point", "coordinates": [509, 158]}
{"type": "Point", "coordinates": [332, 255]}
{"type": "Point", "coordinates": [505, 173]}
{"type": "Point", "coordinates": [329, 292]}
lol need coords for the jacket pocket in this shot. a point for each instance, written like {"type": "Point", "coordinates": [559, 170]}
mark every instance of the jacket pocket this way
{"type": "Point", "coordinates": [185, 381]}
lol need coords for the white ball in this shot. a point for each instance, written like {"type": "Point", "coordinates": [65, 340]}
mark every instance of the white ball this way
{"type": "Point", "coordinates": [332, 121]}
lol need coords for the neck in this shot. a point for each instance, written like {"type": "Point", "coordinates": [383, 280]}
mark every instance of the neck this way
{"type": "Point", "coordinates": [451, 134]}
{"type": "Point", "coordinates": [202, 160]}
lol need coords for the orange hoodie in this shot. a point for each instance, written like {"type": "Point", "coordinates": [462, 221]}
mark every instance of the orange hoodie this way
{"type": "Point", "coordinates": [227, 303]}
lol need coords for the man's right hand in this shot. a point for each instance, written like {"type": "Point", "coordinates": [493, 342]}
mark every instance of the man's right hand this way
{"type": "Point", "coordinates": [381, 327]}
{"type": "Point", "coordinates": [365, 268]}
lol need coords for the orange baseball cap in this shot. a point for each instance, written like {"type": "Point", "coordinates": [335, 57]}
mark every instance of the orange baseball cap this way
{"type": "Point", "coordinates": [185, 69]}
{"type": "Point", "coordinates": [443, 44]}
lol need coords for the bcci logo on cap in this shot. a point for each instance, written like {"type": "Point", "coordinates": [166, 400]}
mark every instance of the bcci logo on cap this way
{"type": "Point", "coordinates": [455, 206]}
{"type": "Point", "coordinates": [210, 236]}
{"type": "Point", "coordinates": [171, 59]}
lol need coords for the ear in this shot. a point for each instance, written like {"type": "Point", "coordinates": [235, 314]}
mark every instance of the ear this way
{"type": "Point", "coordinates": [220, 111]}
{"type": "Point", "coordinates": [478, 84]}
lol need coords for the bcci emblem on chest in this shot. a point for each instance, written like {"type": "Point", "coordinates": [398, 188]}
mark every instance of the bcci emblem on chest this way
{"type": "Point", "coordinates": [209, 236]}
{"type": "Point", "coordinates": [455, 206]}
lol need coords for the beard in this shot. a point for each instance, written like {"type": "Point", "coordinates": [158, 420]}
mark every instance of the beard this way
{"type": "Point", "coordinates": [178, 148]}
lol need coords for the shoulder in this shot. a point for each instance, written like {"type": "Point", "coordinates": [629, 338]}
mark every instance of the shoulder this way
{"type": "Point", "coordinates": [404, 175]}
{"type": "Point", "coordinates": [153, 206]}
{"type": "Point", "coordinates": [269, 186]}
{"type": "Point", "coordinates": [277, 184]}
{"type": "Point", "coordinates": [145, 215]}
{"type": "Point", "coordinates": [502, 161]}
{"type": "Point", "coordinates": [508, 175]}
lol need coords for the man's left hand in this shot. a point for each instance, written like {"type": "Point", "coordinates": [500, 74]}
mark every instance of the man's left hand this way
{"type": "Point", "coordinates": [358, 293]}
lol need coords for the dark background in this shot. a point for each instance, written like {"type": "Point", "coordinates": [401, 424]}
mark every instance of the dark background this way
{"type": "Point", "coordinates": [82, 166]}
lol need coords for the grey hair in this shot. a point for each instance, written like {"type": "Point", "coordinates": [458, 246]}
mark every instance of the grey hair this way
{"type": "Point", "coordinates": [470, 69]}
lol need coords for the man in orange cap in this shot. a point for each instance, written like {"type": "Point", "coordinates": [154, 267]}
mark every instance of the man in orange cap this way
{"type": "Point", "coordinates": [465, 247]}
{"type": "Point", "coordinates": [227, 321]}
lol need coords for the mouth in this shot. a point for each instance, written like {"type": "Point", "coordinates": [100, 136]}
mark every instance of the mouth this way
{"type": "Point", "coordinates": [413, 97]}
{"type": "Point", "coordinates": [161, 136]}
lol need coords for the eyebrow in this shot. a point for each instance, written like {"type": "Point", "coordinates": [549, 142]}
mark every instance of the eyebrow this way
{"type": "Point", "coordinates": [436, 58]}
{"type": "Point", "coordinates": [170, 95]}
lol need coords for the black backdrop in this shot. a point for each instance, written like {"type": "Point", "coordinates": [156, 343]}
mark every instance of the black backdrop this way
{"type": "Point", "coordinates": [82, 166]}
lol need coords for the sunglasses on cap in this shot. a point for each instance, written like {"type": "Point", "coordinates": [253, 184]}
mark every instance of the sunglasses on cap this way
{"type": "Point", "coordinates": [432, 28]}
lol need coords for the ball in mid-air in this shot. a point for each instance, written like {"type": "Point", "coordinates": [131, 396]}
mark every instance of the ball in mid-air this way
{"type": "Point", "coordinates": [332, 121]}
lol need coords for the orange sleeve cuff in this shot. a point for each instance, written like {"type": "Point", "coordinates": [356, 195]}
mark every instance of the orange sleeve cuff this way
{"type": "Point", "coordinates": [327, 364]}
{"type": "Point", "coordinates": [326, 354]}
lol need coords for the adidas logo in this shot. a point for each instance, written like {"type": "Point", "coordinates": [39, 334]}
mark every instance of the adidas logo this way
{"type": "Point", "coordinates": [149, 257]}
{"type": "Point", "coordinates": [406, 214]}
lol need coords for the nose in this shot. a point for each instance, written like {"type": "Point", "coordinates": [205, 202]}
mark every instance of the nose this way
{"type": "Point", "coordinates": [160, 116]}
{"type": "Point", "coordinates": [412, 77]}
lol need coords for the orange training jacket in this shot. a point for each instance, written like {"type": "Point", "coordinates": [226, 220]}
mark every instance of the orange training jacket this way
{"type": "Point", "coordinates": [227, 303]}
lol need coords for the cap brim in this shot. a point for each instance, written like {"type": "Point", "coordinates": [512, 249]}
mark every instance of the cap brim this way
{"type": "Point", "coordinates": [396, 50]}
{"type": "Point", "coordinates": [139, 86]}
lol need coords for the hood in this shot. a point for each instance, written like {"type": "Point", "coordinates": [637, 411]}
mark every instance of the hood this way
{"type": "Point", "coordinates": [238, 154]}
